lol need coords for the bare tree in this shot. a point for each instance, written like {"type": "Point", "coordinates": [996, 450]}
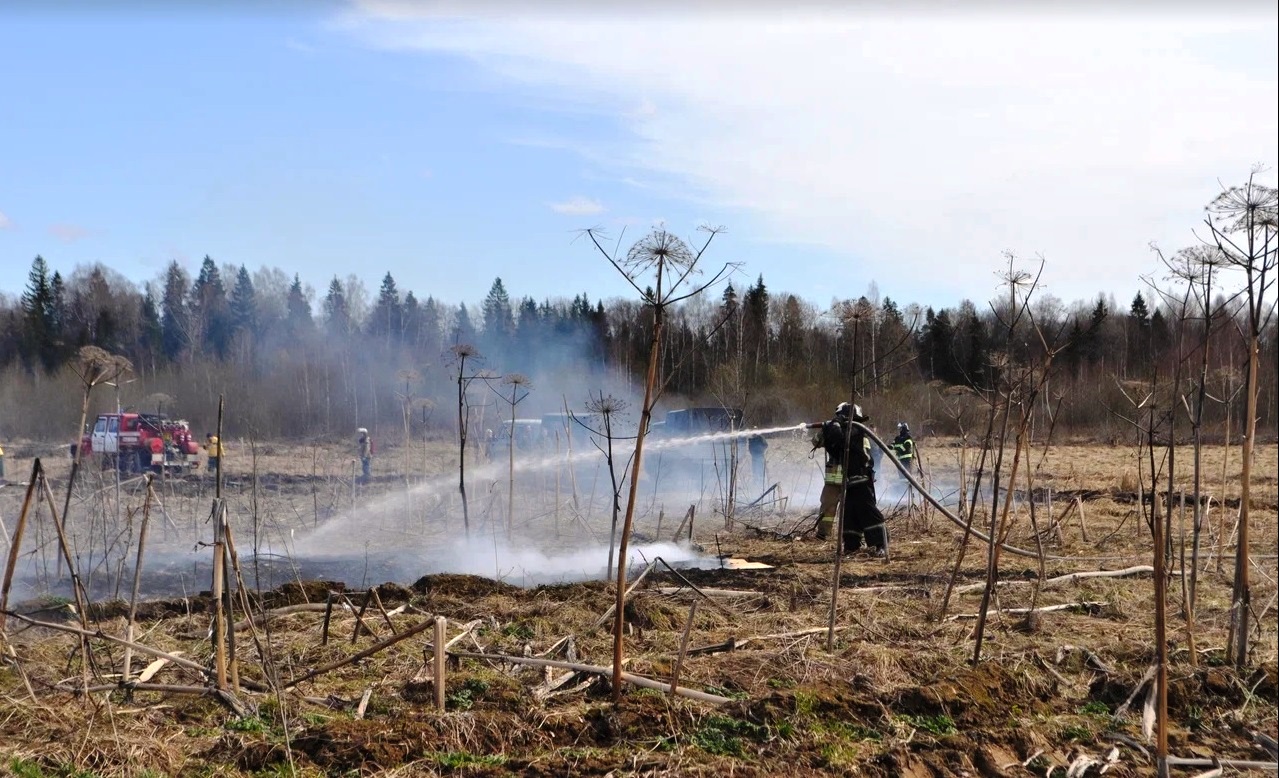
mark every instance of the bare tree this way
{"type": "Point", "coordinates": [671, 264]}
{"type": "Point", "coordinates": [1243, 224]}
{"type": "Point", "coordinates": [461, 353]}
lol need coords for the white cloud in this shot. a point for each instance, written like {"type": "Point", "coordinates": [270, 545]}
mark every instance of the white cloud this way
{"type": "Point", "coordinates": [577, 206]}
{"type": "Point", "coordinates": [917, 146]}
{"type": "Point", "coordinates": [5, 222]}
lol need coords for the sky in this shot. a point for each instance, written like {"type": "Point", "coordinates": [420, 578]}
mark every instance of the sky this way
{"type": "Point", "coordinates": [451, 143]}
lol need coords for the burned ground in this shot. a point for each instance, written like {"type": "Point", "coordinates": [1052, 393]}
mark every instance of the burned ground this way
{"type": "Point", "coordinates": [896, 694]}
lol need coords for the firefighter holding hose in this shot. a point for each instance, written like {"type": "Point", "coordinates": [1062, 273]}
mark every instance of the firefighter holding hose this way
{"type": "Point", "coordinates": [863, 522]}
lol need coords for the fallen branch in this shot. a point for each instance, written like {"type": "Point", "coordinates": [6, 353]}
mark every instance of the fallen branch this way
{"type": "Point", "coordinates": [1238, 764]}
{"type": "Point", "coordinates": [373, 649]}
{"type": "Point", "coordinates": [1040, 609]}
{"type": "Point", "coordinates": [139, 647]}
{"type": "Point", "coordinates": [222, 696]}
{"type": "Point", "coordinates": [708, 593]}
{"type": "Point", "coordinates": [243, 624]}
{"type": "Point", "coordinates": [631, 678]}
{"type": "Point", "coordinates": [1068, 578]}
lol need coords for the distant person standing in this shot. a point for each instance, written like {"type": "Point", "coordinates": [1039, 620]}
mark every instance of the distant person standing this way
{"type": "Point", "coordinates": [213, 446]}
{"type": "Point", "coordinates": [1, 464]}
{"type": "Point", "coordinates": [904, 446]}
{"type": "Point", "coordinates": [364, 444]}
{"type": "Point", "coordinates": [757, 446]}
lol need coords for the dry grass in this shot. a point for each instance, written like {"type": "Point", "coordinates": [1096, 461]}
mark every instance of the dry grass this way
{"type": "Point", "coordinates": [896, 697]}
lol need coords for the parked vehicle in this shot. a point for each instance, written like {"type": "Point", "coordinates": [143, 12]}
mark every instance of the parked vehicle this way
{"type": "Point", "coordinates": [135, 442]}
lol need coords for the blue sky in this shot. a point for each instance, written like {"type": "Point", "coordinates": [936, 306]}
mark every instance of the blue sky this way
{"type": "Point", "coordinates": [453, 143]}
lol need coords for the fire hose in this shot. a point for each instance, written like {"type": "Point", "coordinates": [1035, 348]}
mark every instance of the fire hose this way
{"type": "Point", "coordinates": [966, 526]}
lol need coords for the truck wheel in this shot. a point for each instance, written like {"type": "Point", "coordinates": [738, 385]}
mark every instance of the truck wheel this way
{"type": "Point", "coordinates": [144, 461]}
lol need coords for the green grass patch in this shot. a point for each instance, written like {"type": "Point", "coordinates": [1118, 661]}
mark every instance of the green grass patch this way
{"type": "Point", "coordinates": [725, 735]}
{"type": "Point", "coordinates": [460, 759]}
{"type": "Point", "coordinates": [935, 725]}
{"type": "Point", "coordinates": [1094, 708]}
{"type": "Point", "coordinates": [464, 698]}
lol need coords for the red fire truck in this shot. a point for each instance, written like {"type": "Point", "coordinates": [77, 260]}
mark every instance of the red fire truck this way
{"type": "Point", "coordinates": [136, 442]}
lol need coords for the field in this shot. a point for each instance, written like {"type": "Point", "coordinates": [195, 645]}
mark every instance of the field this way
{"type": "Point", "coordinates": [1058, 691]}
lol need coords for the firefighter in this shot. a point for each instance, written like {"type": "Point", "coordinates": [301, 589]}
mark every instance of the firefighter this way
{"type": "Point", "coordinates": [904, 445]}
{"type": "Point", "coordinates": [863, 522]}
{"type": "Point", "coordinates": [829, 437]}
{"type": "Point", "coordinates": [214, 448]}
{"type": "Point", "coordinates": [364, 444]}
{"type": "Point", "coordinates": [1, 464]}
{"type": "Point", "coordinates": [757, 447]}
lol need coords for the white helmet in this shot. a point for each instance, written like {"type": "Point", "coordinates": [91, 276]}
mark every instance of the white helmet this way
{"type": "Point", "coordinates": [362, 431]}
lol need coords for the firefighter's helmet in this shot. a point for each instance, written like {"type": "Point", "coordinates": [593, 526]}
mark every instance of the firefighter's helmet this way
{"type": "Point", "coordinates": [844, 410]}
{"type": "Point", "coordinates": [362, 431]}
{"type": "Point", "coordinates": [903, 427]}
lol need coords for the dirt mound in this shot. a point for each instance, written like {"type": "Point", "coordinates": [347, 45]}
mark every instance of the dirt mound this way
{"type": "Point", "coordinates": [463, 586]}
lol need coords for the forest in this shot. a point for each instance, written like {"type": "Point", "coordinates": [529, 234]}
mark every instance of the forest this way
{"type": "Point", "coordinates": [299, 364]}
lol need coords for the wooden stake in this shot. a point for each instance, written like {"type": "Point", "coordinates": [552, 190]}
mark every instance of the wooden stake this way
{"type": "Point", "coordinates": [328, 614]}
{"type": "Point", "coordinates": [16, 542]}
{"type": "Point", "coordinates": [683, 647]}
{"type": "Point", "coordinates": [137, 583]}
{"type": "Point", "coordinates": [1083, 525]}
{"type": "Point", "coordinates": [440, 655]}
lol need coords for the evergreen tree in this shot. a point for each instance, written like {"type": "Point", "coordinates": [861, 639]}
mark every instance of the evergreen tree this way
{"type": "Point", "coordinates": [298, 319]}
{"type": "Point", "coordinates": [337, 316]}
{"type": "Point", "coordinates": [174, 316]}
{"type": "Point", "coordinates": [37, 343]}
{"type": "Point", "coordinates": [1138, 337]}
{"type": "Point", "coordinates": [463, 331]}
{"type": "Point", "coordinates": [412, 317]}
{"type": "Point", "coordinates": [209, 310]}
{"type": "Point", "coordinates": [244, 306]}
{"type": "Point", "coordinates": [499, 321]}
{"type": "Point", "coordinates": [387, 319]}
{"type": "Point", "coordinates": [150, 344]}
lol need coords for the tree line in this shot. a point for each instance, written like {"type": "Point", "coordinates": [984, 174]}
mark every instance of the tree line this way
{"type": "Point", "coordinates": [299, 364]}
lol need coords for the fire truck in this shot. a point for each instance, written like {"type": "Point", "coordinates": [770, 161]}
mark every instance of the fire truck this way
{"type": "Point", "coordinates": [136, 442]}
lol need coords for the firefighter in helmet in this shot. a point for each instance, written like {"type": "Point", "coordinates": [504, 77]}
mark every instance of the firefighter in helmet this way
{"type": "Point", "coordinates": [829, 436]}
{"type": "Point", "coordinates": [904, 445]}
{"type": "Point", "coordinates": [863, 522]}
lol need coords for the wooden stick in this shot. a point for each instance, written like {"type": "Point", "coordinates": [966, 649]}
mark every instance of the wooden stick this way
{"type": "Point", "coordinates": [359, 617]}
{"type": "Point", "coordinates": [708, 593]}
{"type": "Point", "coordinates": [137, 583]}
{"type": "Point", "coordinates": [364, 703]}
{"type": "Point", "coordinates": [1040, 609]}
{"type": "Point", "coordinates": [637, 680]}
{"type": "Point", "coordinates": [359, 622]}
{"type": "Point", "coordinates": [683, 647]}
{"type": "Point", "coordinates": [328, 614]}
{"type": "Point", "coordinates": [371, 650]}
{"type": "Point", "coordinates": [1083, 525]}
{"type": "Point", "coordinates": [1238, 764]}
{"type": "Point", "coordinates": [377, 600]}
{"type": "Point", "coordinates": [693, 586]}
{"type": "Point", "coordinates": [16, 542]}
{"type": "Point", "coordinates": [608, 614]}
{"type": "Point", "coordinates": [226, 698]}
{"type": "Point", "coordinates": [77, 587]}
{"type": "Point", "coordinates": [219, 615]}
{"type": "Point", "coordinates": [441, 654]}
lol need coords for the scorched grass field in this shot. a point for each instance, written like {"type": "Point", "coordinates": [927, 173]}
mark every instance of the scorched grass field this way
{"type": "Point", "coordinates": [334, 569]}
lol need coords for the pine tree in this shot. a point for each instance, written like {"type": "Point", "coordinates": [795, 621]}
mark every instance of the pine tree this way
{"type": "Point", "coordinates": [337, 316]}
{"type": "Point", "coordinates": [499, 321]}
{"type": "Point", "coordinates": [243, 306]}
{"type": "Point", "coordinates": [150, 345]}
{"type": "Point", "coordinates": [37, 317]}
{"type": "Point", "coordinates": [387, 320]}
{"type": "Point", "coordinates": [174, 316]}
{"type": "Point", "coordinates": [209, 310]}
{"type": "Point", "coordinates": [298, 320]}
{"type": "Point", "coordinates": [463, 331]}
